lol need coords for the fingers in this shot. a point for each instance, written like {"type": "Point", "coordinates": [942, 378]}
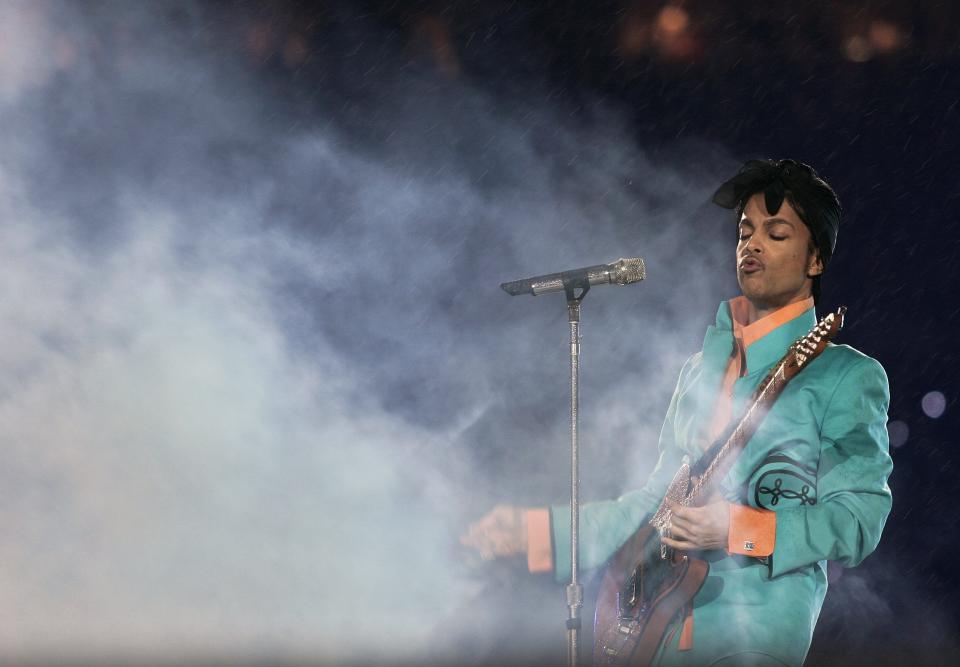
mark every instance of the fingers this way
{"type": "Point", "coordinates": [482, 537]}
{"type": "Point", "coordinates": [681, 531]}
{"type": "Point", "coordinates": [680, 545]}
{"type": "Point", "coordinates": [685, 517]}
{"type": "Point", "coordinates": [683, 536]}
{"type": "Point", "coordinates": [685, 527]}
{"type": "Point", "coordinates": [499, 533]}
{"type": "Point", "coordinates": [703, 527]}
{"type": "Point", "coordinates": [473, 537]}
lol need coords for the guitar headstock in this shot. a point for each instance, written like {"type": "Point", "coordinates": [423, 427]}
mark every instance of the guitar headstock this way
{"type": "Point", "coordinates": [809, 347]}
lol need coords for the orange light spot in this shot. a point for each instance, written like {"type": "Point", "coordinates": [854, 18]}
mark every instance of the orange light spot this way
{"type": "Point", "coordinates": [672, 21]}
{"type": "Point", "coordinates": [885, 37]}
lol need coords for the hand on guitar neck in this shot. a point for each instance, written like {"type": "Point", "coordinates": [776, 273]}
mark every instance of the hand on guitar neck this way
{"type": "Point", "coordinates": [699, 528]}
{"type": "Point", "coordinates": [501, 532]}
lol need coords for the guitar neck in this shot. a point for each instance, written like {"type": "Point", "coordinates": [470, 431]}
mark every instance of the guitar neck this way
{"type": "Point", "coordinates": [717, 459]}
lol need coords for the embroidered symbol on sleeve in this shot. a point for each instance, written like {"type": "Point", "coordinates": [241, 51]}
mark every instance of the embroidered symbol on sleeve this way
{"type": "Point", "coordinates": [777, 492]}
{"type": "Point", "coordinates": [782, 481]}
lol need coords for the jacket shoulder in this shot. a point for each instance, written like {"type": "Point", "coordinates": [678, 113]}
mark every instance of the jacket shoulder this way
{"type": "Point", "coordinates": [846, 374]}
{"type": "Point", "coordinates": [839, 360]}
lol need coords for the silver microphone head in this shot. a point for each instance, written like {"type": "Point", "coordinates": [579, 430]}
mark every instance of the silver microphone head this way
{"type": "Point", "coordinates": [626, 271]}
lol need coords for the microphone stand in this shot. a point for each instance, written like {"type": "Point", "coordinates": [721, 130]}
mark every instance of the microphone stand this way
{"type": "Point", "coordinates": [621, 272]}
{"type": "Point", "coordinates": [574, 588]}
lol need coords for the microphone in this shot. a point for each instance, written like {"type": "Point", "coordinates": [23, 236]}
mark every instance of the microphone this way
{"type": "Point", "coordinates": [621, 272]}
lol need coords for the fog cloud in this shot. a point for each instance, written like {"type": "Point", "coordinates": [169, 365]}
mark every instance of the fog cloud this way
{"type": "Point", "coordinates": [256, 371]}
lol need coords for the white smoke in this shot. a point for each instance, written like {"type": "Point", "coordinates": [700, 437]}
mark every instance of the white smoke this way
{"type": "Point", "coordinates": [256, 373]}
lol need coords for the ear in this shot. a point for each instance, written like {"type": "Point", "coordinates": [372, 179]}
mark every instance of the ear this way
{"type": "Point", "coordinates": [814, 264]}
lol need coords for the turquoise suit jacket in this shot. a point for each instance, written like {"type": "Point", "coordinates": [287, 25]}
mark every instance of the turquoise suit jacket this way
{"type": "Point", "coordinates": [819, 460]}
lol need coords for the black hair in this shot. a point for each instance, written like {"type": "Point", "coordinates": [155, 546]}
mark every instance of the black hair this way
{"type": "Point", "coordinates": [811, 197]}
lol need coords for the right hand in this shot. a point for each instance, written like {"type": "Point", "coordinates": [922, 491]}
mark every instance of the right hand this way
{"type": "Point", "coordinates": [502, 532]}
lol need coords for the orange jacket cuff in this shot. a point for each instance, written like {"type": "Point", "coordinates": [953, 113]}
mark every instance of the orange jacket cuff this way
{"type": "Point", "coordinates": [539, 541]}
{"type": "Point", "coordinates": [752, 532]}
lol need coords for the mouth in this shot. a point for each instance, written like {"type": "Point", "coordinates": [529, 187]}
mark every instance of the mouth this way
{"type": "Point", "coordinates": [750, 265]}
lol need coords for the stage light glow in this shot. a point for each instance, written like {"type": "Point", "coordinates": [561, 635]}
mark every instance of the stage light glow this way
{"type": "Point", "coordinates": [672, 21]}
{"type": "Point", "coordinates": [884, 36]}
{"type": "Point", "coordinates": [673, 35]}
{"type": "Point", "coordinates": [933, 403]}
{"type": "Point", "coordinates": [898, 432]}
{"type": "Point", "coordinates": [858, 49]}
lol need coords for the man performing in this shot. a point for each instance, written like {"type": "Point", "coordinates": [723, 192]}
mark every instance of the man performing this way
{"type": "Point", "coordinates": [810, 486]}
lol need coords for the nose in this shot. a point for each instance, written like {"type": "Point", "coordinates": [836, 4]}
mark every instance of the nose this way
{"type": "Point", "coordinates": [753, 245]}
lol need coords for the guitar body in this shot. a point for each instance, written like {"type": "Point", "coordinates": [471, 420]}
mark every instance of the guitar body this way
{"type": "Point", "coordinates": [640, 594]}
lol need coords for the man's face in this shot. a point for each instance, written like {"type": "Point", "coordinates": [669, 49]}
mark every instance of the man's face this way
{"type": "Point", "coordinates": [774, 258]}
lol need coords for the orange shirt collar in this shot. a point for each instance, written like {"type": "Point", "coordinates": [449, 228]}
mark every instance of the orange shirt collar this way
{"type": "Point", "coordinates": [751, 333]}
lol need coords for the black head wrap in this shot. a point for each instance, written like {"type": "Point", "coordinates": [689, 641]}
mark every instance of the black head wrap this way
{"type": "Point", "coordinates": [810, 196]}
